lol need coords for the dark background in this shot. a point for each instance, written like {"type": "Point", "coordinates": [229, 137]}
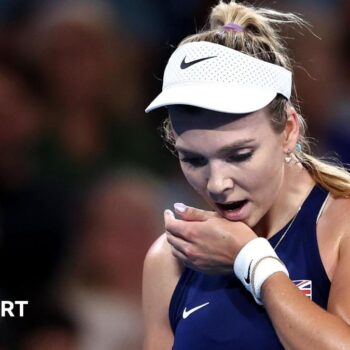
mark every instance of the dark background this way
{"type": "Point", "coordinates": [84, 174]}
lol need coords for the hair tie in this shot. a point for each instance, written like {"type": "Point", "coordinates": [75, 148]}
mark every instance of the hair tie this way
{"type": "Point", "coordinates": [233, 26]}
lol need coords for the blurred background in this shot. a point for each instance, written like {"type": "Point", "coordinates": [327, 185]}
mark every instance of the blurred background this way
{"type": "Point", "coordinates": [84, 174]}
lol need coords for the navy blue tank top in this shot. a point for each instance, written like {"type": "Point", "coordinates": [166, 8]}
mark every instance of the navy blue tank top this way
{"type": "Point", "coordinates": [217, 313]}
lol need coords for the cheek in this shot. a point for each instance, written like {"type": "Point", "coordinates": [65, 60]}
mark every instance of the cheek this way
{"type": "Point", "coordinates": [195, 177]}
{"type": "Point", "coordinates": [264, 174]}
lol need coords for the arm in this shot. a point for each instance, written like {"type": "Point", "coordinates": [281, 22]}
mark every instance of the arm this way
{"type": "Point", "coordinates": [210, 246]}
{"type": "Point", "coordinates": [300, 323]}
{"type": "Point", "coordinates": [160, 276]}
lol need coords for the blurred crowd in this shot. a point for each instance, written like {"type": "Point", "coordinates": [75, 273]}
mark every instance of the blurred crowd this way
{"type": "Point", "coordinates": [84, 174]}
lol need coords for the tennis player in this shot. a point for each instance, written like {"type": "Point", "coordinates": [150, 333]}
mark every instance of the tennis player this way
{"type": "Point", "coordinates": [269, 268]}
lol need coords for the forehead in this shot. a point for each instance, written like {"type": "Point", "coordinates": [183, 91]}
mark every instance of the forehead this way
{"type": "Point", "coordinates": [198, 121]}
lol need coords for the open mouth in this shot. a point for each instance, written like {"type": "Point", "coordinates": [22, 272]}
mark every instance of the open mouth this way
{"type": "Point", "coordinates": [235, 211]}
{"type": "Point", "coordinates": [231, 206]}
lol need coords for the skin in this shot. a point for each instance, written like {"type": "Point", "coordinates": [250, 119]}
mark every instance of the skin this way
{"type": "Point", "coordinates": [208, 242]}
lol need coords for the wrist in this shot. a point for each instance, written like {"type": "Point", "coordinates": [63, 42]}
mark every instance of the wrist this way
{"type": "Point", "coordinates": [255, 263]}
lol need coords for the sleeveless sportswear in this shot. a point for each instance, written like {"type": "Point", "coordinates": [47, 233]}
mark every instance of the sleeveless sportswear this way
{"type": "Point", "coordinates": [217, 313]}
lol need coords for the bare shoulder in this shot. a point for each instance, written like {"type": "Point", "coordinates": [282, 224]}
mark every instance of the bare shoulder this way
{"type": "Point", "coordinates": [160, 276]}
{"type": "Point", "coordinates": [333, 227]}
{"type": "Point", "coordinates": [336, 230]}
{"type": "Point", "coordinates": [336, 214]}
{"type": "Point", "coordinates": [160, 262]}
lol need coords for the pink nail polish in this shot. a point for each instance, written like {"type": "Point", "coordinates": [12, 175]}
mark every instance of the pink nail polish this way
{"type": "Point", "coordinates": [180, 207]}
{"type": "Point", "coordinates": [169, 212]}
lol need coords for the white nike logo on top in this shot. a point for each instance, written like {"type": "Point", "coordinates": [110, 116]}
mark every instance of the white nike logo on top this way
{"type": "Point", "coordinates": [187, 313]}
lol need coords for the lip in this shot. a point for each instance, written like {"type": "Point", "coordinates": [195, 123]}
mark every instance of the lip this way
{"type": "Point", "coordinates": [233, 215]}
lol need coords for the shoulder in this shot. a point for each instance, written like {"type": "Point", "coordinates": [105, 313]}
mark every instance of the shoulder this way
{"type": "Point", "coordinates": [160, 261]}
{"type": "Point", "coordinates": [160, 274]}
{"type": "Point", "coordinates": [336, 222]}
{"type": "Point", "coordinates": [160, 277]}
{"type": "Point", "coordinates": [332, 230]}
{"type": "Point", "coordinates": [336, 215]}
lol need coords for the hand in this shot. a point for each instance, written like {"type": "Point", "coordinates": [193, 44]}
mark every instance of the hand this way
{"type": "Point", "coordinates": [205, 241]}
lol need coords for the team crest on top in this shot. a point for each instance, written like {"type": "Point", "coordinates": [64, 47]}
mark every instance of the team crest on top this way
{"type": "Point", "coordinates": [305, 286]}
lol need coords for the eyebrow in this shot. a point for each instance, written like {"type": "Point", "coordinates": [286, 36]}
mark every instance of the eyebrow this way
{"type": "Point", "coordinates": [223, 150]}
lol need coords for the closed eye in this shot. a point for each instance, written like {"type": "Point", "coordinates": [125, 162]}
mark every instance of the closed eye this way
{"type": "Point", "coordinates": [240, 157]}
{"type": "Point", "coordinates": [194, 161]}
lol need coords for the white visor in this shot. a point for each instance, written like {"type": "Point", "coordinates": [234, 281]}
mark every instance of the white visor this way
{"type": "Point", "coordinates": [218, 78]}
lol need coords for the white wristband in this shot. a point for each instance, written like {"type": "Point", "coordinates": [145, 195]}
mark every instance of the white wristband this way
{"type": "Point", "coordinates": [256, 262]}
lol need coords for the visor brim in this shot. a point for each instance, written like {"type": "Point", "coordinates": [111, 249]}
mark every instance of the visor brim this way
{"type": "Point", "coordinates": [225, 99]}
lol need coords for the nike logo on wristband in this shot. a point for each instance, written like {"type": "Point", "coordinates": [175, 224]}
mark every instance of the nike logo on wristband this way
{"type": "Point", "coordinates": [185, 65]}
{"type": "Point", "coordinates": [247, 279]}
{"type": "Point", "coordinates": [187, 313]}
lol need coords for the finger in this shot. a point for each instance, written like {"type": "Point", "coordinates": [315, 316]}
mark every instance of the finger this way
{"type": "Point", "coordinates": [176, 247]}
{"type": "Point", "coordinates": [179, 256]}
{"type": "Point", "coordinates": [173, 225]}
{"type": "Point", "coordinates": [192, 214]}
{"type": "Point", "coordinates": [176, 242]}
{"type": "Point", "coordinates": [168, 214]}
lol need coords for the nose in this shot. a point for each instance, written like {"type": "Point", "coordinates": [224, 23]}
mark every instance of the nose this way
{"type": "Point", "coordinates": [219, 182]}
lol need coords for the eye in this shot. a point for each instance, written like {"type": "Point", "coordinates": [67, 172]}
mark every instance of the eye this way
{"type": "Point", "coordinates": [240, 157]}
{"type": "Point", "coordinates": [194, 161]}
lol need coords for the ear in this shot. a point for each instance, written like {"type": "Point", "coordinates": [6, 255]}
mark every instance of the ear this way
{"type": "Point", "coordinates": [291, 131]}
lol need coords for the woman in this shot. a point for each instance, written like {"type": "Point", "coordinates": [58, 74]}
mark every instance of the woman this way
{"type": "Point", "coordinates": [270, 267]}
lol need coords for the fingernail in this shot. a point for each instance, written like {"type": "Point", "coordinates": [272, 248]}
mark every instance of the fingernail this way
{"type": "Point", "coordinates": [169, 212]}
{"type": "Point", "coordinates": [180, 207]}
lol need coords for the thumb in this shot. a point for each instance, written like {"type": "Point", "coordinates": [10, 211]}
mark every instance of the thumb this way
{"type": "Point", "coordinates": [168, 217]}
{"type": "Point", "coordinates": [192, 214]}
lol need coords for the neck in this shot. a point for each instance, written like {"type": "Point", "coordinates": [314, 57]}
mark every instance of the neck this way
{"type": "Point", "coordinates": [296, 186]}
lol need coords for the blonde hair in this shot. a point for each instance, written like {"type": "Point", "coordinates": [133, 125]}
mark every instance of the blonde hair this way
{"type": "Point", "coordinates": [261, 38]}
